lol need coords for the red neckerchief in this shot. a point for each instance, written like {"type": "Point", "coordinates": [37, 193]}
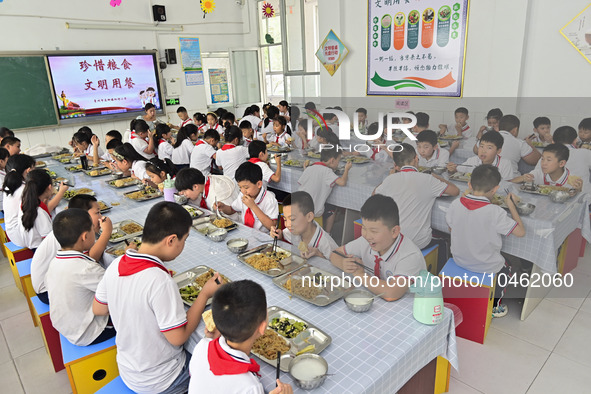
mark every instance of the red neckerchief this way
{"type": "Point", "coordinates": [378, 259]}
{"type": "Point", "coordinates": [134, 135]}
{"type": "Point", "coordinates": [200, 142]}
{"type": "Point", "coordinates": [184, 122]}
{"type": "Point", "coordinates": [560, 182]}
{"type": "Point", "coordinates": [161, 141]}
{"type": "Point", "coordinates": [473, 203]}
{"type": "Point", "coordinates": [132, 265]}
{"type": "Point", "coordinates": [279, 136]}
{"type": "Point", "coordinates": [247, 141]}
{"type": "Point", "coordinates": [249, 219]}
{"type": "Point", "coordinates": [319, 163]}
{"type": "Point", "coordinates": [375, 152]}
{"type": "Point", "coordinates": [255, 160]}
{"type": "Point", "coordinates": [408, 169]}
{"type": "Point", "coordinates": [44, 207]}
{"type": "Point", "coordinates": [228, 146]}
{"type": "Point", "coordinates": [203, 203]}
{"type": "Point", "coordinates": [221, 363]}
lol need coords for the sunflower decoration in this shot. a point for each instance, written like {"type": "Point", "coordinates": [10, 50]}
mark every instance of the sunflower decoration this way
{"type": "Point", "coordinates": [268, 10]}
{"type": "Point", "coordinates": [207, 6]}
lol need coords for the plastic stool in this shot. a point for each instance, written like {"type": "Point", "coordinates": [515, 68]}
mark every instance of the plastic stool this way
{"type": "Point", "coordinates": [24, 272]}
{"type": "Point", "coordinates": [16, 253]}
{"type": "Point", "coordinates": [115, 386]}
{"type": "Point", "coordinates": [51, 337]}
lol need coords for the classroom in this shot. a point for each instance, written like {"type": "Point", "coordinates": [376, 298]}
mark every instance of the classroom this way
{"type": "Point", "coordinates": [289, 196]}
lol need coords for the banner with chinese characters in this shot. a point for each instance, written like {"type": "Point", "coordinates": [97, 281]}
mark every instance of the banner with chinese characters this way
{"type": "Point", "coordinates": [332, 52]}
{"type": "Point", "coordinates": [416, 47]}
{"type": "Point", "coordinates": [218, 85]}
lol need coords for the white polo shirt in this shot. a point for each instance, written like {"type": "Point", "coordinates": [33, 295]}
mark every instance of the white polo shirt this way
{"type": "Point", "coordinates": [230, 158]}
{"type": "Point", "coordinates": [267, 171]}
{"type": "Point", "coordinates": [318, 180]}
{"type": "Point", "coordinates": [182, 154]}
{"type": "Point", "coordinates": [142, 307]}
{"type": "Point", "coordinates": [201, 157]}
{"type": "Point", "coordinates": [204, 381]}
{"type": "Point", "coordinates": [579, 164]}
{"type": "Point", "coordinates": [90, 150]}
{"type": "Point", "coordinates": [280, 139]}
{"type": "Point", "coordinates": [138, 168]}
{"type": "Point", "coordinates": [415, 194]}
{"type": "Point", "coordinates": [544, 179]}
{"type": "Point", "coordinates": [71, 280]}
{"type": "Point", "coordinates": [12, 207]}
{"type": "Point", "coordinates": [32, 238]}
{"type": "Point", "coordinates": [466, 130]}
{"type": "Point", "coordinates": [186, 122]}
{"type": "Point", "coordinates": [504, 166]}
{"type": "Point", "coordinates": [267, 203]}
{"type": "Point", "coordinates": [165, 150]}
{"type": "Point", "coordinates": [139, 144]}
{"type": "Point", "coordinates": [403, 258]}
{"type": "Point", "coordinates": [476, 230]}
{"type": "Point", "coordinates": [514, 149]}
{"type": "Point", "coordinates": [42, 258]}
{"type": "Point", "coordinates": [321, 240]}
{"type": "Point", "coordinates": [440, 158]}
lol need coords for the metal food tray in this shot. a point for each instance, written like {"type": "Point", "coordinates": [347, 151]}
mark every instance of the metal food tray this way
{"type": "Point", "coordinates": [194, 212]}
{"type": "Point", "coordinates": [288, 264]}
{"type": "Point", "coordinates": [133, 182]}
{"type": "Point", "coordinates": [326, 297]}
{"type": "Point", "coordinates": [206, 223]}
{"type": "Point", "coordinates": [145, 197]}
{"type": "Point", "coordinates": [123, 235]}
{"type": "Point", "coordinates": [74, 168]}
{"type": "Point", "coordinates": [313, 155]}
{"type": "Point", "coordinates": [356, 159]}
{"type": "Point", "coordinates": [121, 247]}
{"type": "Point", "coordinates": [310, 336]}
{"type": "Point", "coordinates": [275, 149]}
{"type": "Point", "coordinates": [186, 278]}
{"type": "Point", "coordinates": [450, 137]}
{"type": "Point", "coordinates": [90, 193]}
{"type": "Point", "coordinates": [61, 156]}
{"type": "Point", "coordinates": [443, 143]}
{"type": "Point", "coordinates": [108, 207]}
{"type": "Point", "coordinates": [459, 177]}
{"type": "Point", "coordinates": [538, 192]}
{"type": "Point", "coordinates": [299, 165]}
{"type": "Point", "coordinates": [43, 165]}
{"type": "Point", "coordinates": [102, 171]}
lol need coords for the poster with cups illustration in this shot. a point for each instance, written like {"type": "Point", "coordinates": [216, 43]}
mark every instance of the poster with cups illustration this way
{"type": "Point", "coordinates": [416, 47]}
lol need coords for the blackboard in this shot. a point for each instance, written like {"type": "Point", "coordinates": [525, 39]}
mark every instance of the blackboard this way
{"type": "Point", "coordinates": [26, 97]}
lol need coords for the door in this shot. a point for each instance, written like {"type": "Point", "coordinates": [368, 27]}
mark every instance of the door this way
{"type": "Point", "coordinates": [247, 76]}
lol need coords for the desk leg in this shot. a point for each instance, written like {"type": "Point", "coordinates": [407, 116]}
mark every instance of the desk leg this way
{"type": "Point", "coordinates": [534, 295]}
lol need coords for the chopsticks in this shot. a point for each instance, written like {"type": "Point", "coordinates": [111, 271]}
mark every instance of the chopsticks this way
{"type": "Point", "coordinates": [510, 196]}
{"type": "Point", "coordinates": [276, 239]}
{"type": "Point", "coordinates": [361, 265]}
{"type": "Point", "coordinates": [278, 371]}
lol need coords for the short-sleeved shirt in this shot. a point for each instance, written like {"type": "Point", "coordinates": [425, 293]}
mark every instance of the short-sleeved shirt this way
{"type": "Point", "coordinates": [403, 258]}
{"type": "Point", "coordinates": [267, 171]}
{"type": "Point", "coordinates": [182, 153]}
{"type": "Point", "coordinates": [466, 130]}
{"type": "Point", "coordinates": [142, 307]}
{"type": "Point", "coordinates": [231, 158]}
{"type": "Point", "coordinates": [12, 207]}
{"type": "Point", "coordinates": [42, 258]}
{"type": "Point", "coordinates": [90, 150]}
{"type": "Point", "coordinates": [415, 194]}
{"type": "Point", "coordinates": [139, 144]}
{"type": "Point", "coordinates": [186, 122]}
{"type": "Point", "coordinates": [280, 139]}
{"type": "Point", "coordinates": [440, 158]}
{"type": "Point", "coordinates": [32, 238]}
{"type": "Point", "coordinates": [321, 240]}
{"type": "Point", "coordinates": [204, 381]}
{"type": "Point", "coordinates": [514, 149]}
{"type": "Point", "coordinates": [579, 164]}
{"type": "Point", "coordinates": [201, 157]}
{"type": "Point", "coordinates": [318, 180]}
{"type": "Point", "coordinates": [267, 203]}
{"type": "Point", "coordinates": [504, 166]}
{"type": "Point", "coordinates": [476, 229]}
{"type": "Point", "coordinates": [544, 179]}
{"type": "Point", "coordinates": [165, 150]}
{"type": "Point", "coordinates": [138, 168]}
{"type": "Point", "coordinates": [72, 279]}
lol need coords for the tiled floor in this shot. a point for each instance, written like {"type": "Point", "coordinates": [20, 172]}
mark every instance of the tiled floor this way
{"type": "Point", "coordinates": [547, 353]}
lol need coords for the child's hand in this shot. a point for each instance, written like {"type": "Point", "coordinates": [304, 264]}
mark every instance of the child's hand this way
{"type": "Point", "coordinates": [575, 182]}
{"type": "Point", "coordinates": [276, 233]}
{"type": "Point", "coordinates": [454, 145]}
{"type": "Point", "coordinates": [282, 388]}
{"type": "Point", "coordinates": [211, 285]}
{"type": "Point", "coordinates": [212, 335]}
{"type": "Point", "coordinates": [452, 167]}
{"type": "Point", "coordinates": [277, 158]}
{"type": "Point", "coordinates": [132, 246]}
{"type": "Point", "coordinates": [509, 201]}
{"type": "Point", "coordinates": [348, 166]}
{"type": "Point", "coordinates": [218, 206]}
{"type": "Point", "coordinates": [528, 178]}
{"type": "Point", "coordinates": [311, 252]}
{"type": "Point", "coordinates": [442, 129]}
{"type": "Point", "coordinates": [95, 140]}
{"type": "Point", "coordinates": [63, 188]}
{"type": "Point", "coordinates": [350, 266]}
{"type": "Point", "coordinates": [248, 201]}
{"type": "Point", "coordinates": [106, 225]}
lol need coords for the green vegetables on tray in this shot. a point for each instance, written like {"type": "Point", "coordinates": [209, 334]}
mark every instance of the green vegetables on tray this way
{"type": "Point", "coordinates": [289, 328]}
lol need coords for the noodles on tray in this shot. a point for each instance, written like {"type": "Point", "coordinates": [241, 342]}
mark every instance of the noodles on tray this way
{"type": "Point", "coordinates": [269, 344]}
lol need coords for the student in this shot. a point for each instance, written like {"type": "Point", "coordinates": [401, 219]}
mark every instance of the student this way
{"type": "Point", "coordinates": [105, 156]}
{"type": "Point", "coordinates": [319, 178]}
{"type": "Point", "coordinates": [301, 136]}
{"type": "Point", "coordinates": [362, 119]}
{"type": "Point", "coordinates": [223, 364]}
{"type": "Point", "coordinates": [49, 247]}
{"type": "Point", "coordinates": [257, 206]}
{"type": "Point", "coordinates": [461, 126]}
{"type": "Point", "coordinates": [267, 129]}
{"type": "Point", "coordinates": [383, 249]}
{"type": "Point", "coordinates": [183, 116]}
{"type": "Point", "coordinates": [85, 146]}
{"type": "Point", "coordinates": [4, 155]}
{"type": "Point", "coordinates": [515, 149]}
{"type": "Point", "coordinates": [5, 132]}
{"type": "Point", "coordinates": [579, 160]}
{"type": "Point", "coordinates": [259, 156]}
{"type": "Point", "coordinates": [294, 120]}
{"type": "Point", "coordinates": [204, 152]}
{"type": "Point", "coordinates": [430, 154]}
{"type": "Point", "coordinates": [584, 132]}
{"type": "Point", "coordinates": [232, 153]}
{"type": "Point", "coordinates": [200, 121]}
{"type": "Point", "coordinates": [146, 308]}
{"type": "Point", "coordinates": [149, 117]}
{"type": "Point", "coordinates": [212, 122]}
{"type": "Point", "coordinates": [493, 117]}
{"type": "Point", "coordinates": [422, 124]}
{"type": "Point", "coordinates": [301, 230]}
{"type": "Point", "coordinates": [280, 136]}
{"type": "Point", "coordinates": [489, 152]}
{"type": "Point", "coordinates": [162, 138]}
{"type": "Point", "coordinates": [184, 145]}
{"type": "Point", "coordinates": [142, 140]}
{"type": "Point", "coordinates": [129, 161]}
{"type": "Point", "coordinates": [72, 278]}
{"type": "Point", "coordinates": [252, 115]}
{"type": "Point", "coordinates": [159, 170]}
{"type": "Point", "coordinates": [552, 170]}
{"type": "Point", "coordinates": [378, 151]}
{"type": "Point", "coordinates": [203, 190]}
{"type": "Point", "coordinates": [542, 130]}
{"type": "Point", "coordinates": [284, 109]}
{"type": "Point", "coordinates": [248, 133]}
{"type": "Point", "coordinates": [34, 220]}
{"type": "Point", "coordinates": [17, 168]}
{"type": "Point", "coordinates": [476, 228]}
{"type": "Point", "coordinates": [415, 194]}
{"type": "Point", "coordinates": [310, 107]}
{"type": "Point", "coordinates": [228, 119]}
{"type": "Point", "coordinates": [109, 158]}
{"type": "Point", "coordinates": [11, 144]}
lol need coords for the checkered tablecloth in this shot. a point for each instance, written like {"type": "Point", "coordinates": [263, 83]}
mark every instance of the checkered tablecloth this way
{"type": "Point", "coordinates": [373, 352]}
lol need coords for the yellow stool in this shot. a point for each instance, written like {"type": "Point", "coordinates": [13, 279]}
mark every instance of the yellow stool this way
{"type": "Point", "coordinates": [319, 221]}
{"type": "Point", "coordinates": [442, 374]}
{"type": "Point", "coordinates": [116, 386]}
{"type": "Point", "coordinates": [90, 367]}
{"type": "Point", "coordinates": [24, 272]}
{"type": "Point", "coordinates": [51, 337]}
{"type": "Point", "coordinates": [16, 253]}
{"type": "Point", "coordinates": [3, 236]}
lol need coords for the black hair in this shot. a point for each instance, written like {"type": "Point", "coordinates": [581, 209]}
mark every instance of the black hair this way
{"type": "Point", "coordinates": [427, 136]}
{"type": "Point", "coordinates": [461, 110]}
{"type": "Point", "coordinates": [200, 117]}
{"type": "Point", "coordinates": [232, 133]}
{"type": "Point", "coordinates": [212, 133]}
{"type": "Point", "coordinates": [294, 113]}
{"type": "Point", "coordinates": [132, 125]}
{"type": "Point", "coordinates": [185, 133]}
{"type": "Point", "coordinates": [150, 88]}
{"type": "Point", "coordinates": [4, 153]}
{"type": "Point", "coordinates": [329, 115]}
{"type": "Point", "coordinates": [215, 116]}
{"type": "Point", "coordinates": [187, 178]}
{"type": "Point", "coordinates": [82, 201]}
{"type": "Point", "coordinates": [15, 166]}
{"type": "Point", "coordinates": [494, 113]}
{"type": "Point", "coordinates": [406, 155]}
{"type": "Point", "coordinates": [141, 126]}
{"type": "Point", "coordinates": [330, 153]}
{"type": "Point", "coordinates": [69, 225]}
{"type": "Point", "coordinates": [228, 119]}
{"type": "Point", "coordinates": [249, 172]}
{"type": "Point", "coordinates": [362, 110]}
{"type": "Point", "coordinates": [272, 113]}
{"type": "Point", "coordinates": [37, 182]}
{"type": "Point", "coordinates": [509, 122]}
{"type": "Point", "coordinates": [245, 124]}
{"type": "Point", "coordinates": [565, 135]}
{"type": "Point", "coordinates": [282, 121]}
{"type": "Point", "coordinates": [86, 130]}
{"type": "Point", "coordinates": [149, 105]}
{"type": "Point", "coordinates": [181, 109]}
{"type": "Point", "coordinates": [80, 137]}
{"type": "Point", "coordinates": [585, 124]}
{"type": "Point", "coordinates": [373, 128]}
{"type": "Point", "coordinates": [220, 112]}
{"type": "Point", "coordinates": [310, 105]}
{"type": "Point", "coordinates": [255, 148]}
{"type": "Point", "coordinates": [485, 177]}
{"type": "Point", "coordinates": [422, 119]}
{"type": "Point", "coordinates": [115, 134]}
{"type": "Point", "coordinates": [161, 129]}
{"type": "Point", "coordinates": [156, 166]}
{"type": "Point", "coordinates": [165, 219]}
{"type": "Point", "coordinates": [494, 138]}
{"type": "Point", "coordinates": [302, 199]}
{"type": "Point", "coordinates": [9, 141]}
{"type": "Point", "coordinates": [284, 103]}
{"type": "Point", "coordinates": [6, 132]}
{"type": "Point", "coordinates": [129, 153]}
{"type": "Point", "coordinates": [329, 136]}
{"type": "Point", "coordinates": [382, 208]}
{"type": "Point", "coordinates": [238, 309]}
{"type": "Point", "coordinates": [541, 120]}
{"type": "Point", "coordinates": [114, 143]}
{"type": "Point", "coordinates": [560, 151]}
{"type": "Point", "coordinates": [251, 110]}
{"type": "Point", "coordinates": [338, 107]}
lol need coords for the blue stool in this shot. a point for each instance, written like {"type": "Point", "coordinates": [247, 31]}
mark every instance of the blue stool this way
{"type": "Point", "coordinates": [24, 273]}
{"type": "Point", "coordinates": [115, 386]}
{"type": "Point", "coordinates": [90, 367]}
{"type": "Point", "coordinates": [16, 253]}
{"type": "Point", "coordinates": [51, 337]}
{"type": "Point", "coordinates": [431, 255]}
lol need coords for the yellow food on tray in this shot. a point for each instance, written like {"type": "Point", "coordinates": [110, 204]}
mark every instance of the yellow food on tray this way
{"type": "Point", "coordinates": [119, 252]}
{"type": "Point", "coordinates": [123, 182]}
{"type": "Point", "coordinates": [131, 228]}
{"type": "Point", "coordinates": [102, 206]}
{"type": "Point", "coordinates": [262, 262]}
{"type": "Point", "coordinates": [302, 287]}
{"type": "Point", "coordinates": [222, 222]}
{"type": "Point", "coordinates": [269, 344]}
{"type": "Point", "coordinates": [203, 278]}
{"type": "Point", "coordinates": [547, 189]}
